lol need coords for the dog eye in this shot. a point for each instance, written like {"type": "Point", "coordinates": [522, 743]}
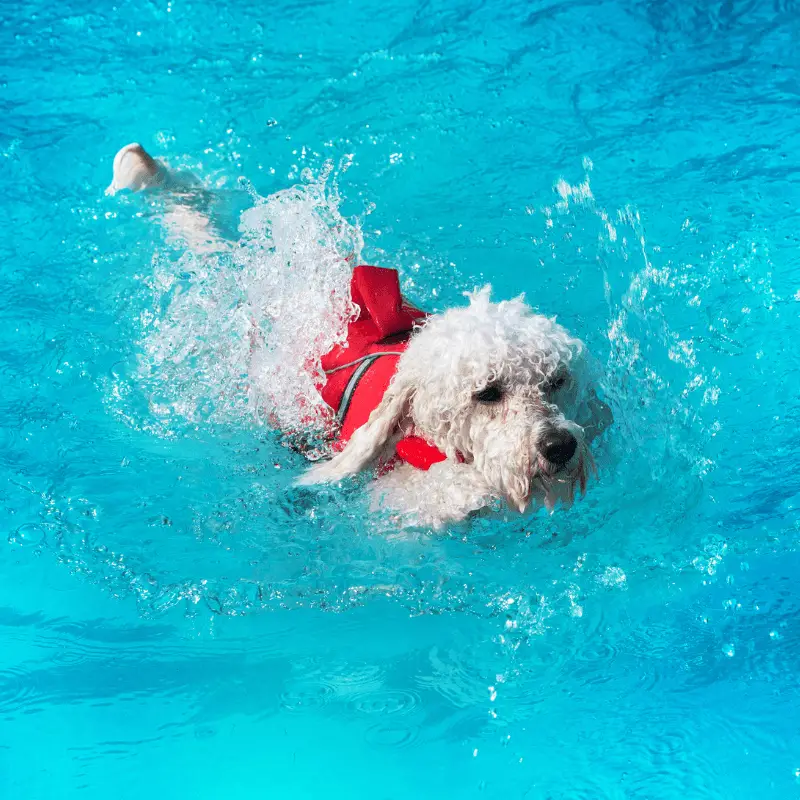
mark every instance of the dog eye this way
{"type": "Point", "coordinates": [493, 393]}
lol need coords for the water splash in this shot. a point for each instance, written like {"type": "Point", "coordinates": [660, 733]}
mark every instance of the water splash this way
{"type": "Point", "coordinates": [219, 345]}
{"type": "Point", "coordinates": [237, 336]}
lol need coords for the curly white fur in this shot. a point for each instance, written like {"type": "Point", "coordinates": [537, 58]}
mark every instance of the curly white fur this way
{"type": "Point", "coordinates": [449, 360]}
{"type": "Point", "coordinates": [495, 451]}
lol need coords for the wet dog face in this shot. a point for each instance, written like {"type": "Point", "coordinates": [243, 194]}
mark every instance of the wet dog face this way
{"type": "Point", "coordinates": [498, 388]}
{"type": "Point", "coordinates": [506, 390]}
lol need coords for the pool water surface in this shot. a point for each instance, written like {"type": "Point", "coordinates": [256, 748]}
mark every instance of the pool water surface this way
{"type": "Point", "coordinates": [179, 620]}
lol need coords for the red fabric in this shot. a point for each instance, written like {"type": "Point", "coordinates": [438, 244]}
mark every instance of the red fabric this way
{"type": "Point", "coordinates": [383, 325]}
{"type": "Point", "coordinates": [368, 394]}
{"type": "Point", "coordinates": [377, 292]}
{"type": "Point", "coordinates": [419, 453]}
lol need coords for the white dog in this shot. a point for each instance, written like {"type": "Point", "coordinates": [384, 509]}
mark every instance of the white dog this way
{"type": "Point", "coordinates": [482, 406]}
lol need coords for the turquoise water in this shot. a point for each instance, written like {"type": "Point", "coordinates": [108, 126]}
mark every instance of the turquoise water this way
{"type": "Point", "coordinates": [177, 621]}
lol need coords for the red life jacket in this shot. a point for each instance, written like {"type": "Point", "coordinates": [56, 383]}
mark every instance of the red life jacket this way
{"type": "Point", "coordinates": [359, 372]}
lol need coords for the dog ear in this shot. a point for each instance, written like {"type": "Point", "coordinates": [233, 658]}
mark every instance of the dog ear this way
{"type": "Point", "coordinates": [367, 441]}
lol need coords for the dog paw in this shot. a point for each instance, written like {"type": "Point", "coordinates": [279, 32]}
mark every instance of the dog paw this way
{"type": "Point", "coordinates": [135, 169]}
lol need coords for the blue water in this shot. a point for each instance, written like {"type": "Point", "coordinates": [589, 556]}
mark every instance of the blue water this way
{"type": "Point", "coordinates": [177, 621]}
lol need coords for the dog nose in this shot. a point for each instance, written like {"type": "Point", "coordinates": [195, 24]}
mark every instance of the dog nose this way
{"type": "Point", "coordinates": [558, 446]}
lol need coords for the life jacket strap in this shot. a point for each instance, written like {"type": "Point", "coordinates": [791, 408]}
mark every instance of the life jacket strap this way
{"type": "Point", "coordinates": [364, 363]}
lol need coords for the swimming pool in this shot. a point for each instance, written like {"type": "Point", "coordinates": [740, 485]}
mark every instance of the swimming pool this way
{"type": "Point", "coordinates": [177, 621]}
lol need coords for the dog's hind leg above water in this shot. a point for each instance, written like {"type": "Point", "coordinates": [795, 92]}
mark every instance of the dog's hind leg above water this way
{"type": "Point", "coordinates": [185, 202]}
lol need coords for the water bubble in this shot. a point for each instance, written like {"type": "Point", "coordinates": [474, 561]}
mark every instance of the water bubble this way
{"type": "Point", "coordinates": [27, 535]}
{"type": "Point", "coordinates": [613, 577]}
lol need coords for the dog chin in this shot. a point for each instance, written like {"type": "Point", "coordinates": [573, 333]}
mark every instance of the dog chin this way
{"type": "Point", "coordinates": [551, 485]}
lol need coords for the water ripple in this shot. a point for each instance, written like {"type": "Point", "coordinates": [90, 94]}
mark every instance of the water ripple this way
{"type": "Point", "coordinates": [18, 690]}
{"type": "Point", "coordinates": [388, 702]}
{"type": "Point", "coordinates": [628, 165]}
{"type": "Point", "coordinates": [393, 736]}
{"type": "Point", "coordinates": [304, 696]}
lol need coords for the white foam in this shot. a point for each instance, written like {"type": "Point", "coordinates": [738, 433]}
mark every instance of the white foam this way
{"type": "Point", "coordinates": [238, 336]}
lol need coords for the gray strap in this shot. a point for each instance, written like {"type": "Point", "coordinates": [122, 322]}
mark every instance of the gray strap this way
{"type": "Point", "coordinates": [364, 364]}
{"type": "Point", "coordinates": [371, 357]}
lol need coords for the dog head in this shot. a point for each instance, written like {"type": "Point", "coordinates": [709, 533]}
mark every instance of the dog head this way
{"type": "Point", "coordinates": [498, 386]}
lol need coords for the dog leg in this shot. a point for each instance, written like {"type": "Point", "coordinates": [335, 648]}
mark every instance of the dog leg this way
{"type": "Point", "coordinates": [135, 169]}
{"type": "Point", "coordinates": [447, 492]}
{"type": "Point", "coordinates": [185, 204]}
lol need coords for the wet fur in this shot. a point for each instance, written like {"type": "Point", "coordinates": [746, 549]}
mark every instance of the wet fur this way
{"type": "Point", "coordinates": [452, 357]}
{"type": "Point", "coordinates": [493, 449]}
